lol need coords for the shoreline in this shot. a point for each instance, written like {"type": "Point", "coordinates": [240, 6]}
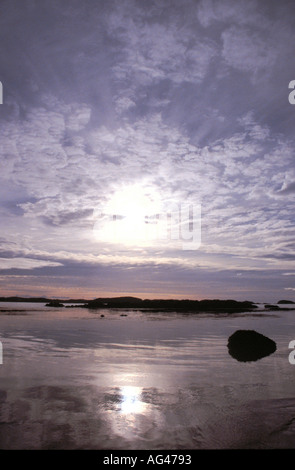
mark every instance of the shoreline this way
{"type": "Point", "coordinates": [214, 306]}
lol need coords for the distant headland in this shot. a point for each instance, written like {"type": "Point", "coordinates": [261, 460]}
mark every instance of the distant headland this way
{"type": "Point", "coordinates": [187, 305]}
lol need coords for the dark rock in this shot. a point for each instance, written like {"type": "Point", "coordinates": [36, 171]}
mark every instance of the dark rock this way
{"type": "Point", "coordinates": [54, 303]}
{"type": "Point", "coordinates": [215, 305]}
{"type": "Point", "coordinates": [248, 345]}
{"type": "Point", "coordinates": [286, 302]}
{"type": "Point", "coordinates": [271, 307]}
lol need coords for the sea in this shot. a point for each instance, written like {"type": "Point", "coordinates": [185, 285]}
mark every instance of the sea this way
{"type": "Point", "coordinates": [74, 378]}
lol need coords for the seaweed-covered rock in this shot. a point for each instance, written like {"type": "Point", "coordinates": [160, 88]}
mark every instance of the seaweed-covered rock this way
{"type": "Point", "coordinates": [248, 345]}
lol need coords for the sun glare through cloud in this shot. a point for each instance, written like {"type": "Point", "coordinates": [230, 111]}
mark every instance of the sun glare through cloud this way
{"type": "Point", "coordinates": [130, 217]}
{"type": "Point", "coordinates": [136, 216]}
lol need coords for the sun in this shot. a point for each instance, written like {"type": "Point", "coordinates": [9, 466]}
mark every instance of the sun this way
{"type": "Point", "coordinates": [131, 217]}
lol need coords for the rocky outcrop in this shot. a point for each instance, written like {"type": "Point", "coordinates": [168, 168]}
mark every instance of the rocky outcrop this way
{"type": "Point", "coordinates": [249, 345]}
{"type": "Point", "coordinates": [194, 306]}
{"type": "Point", "coordinates": [54, 303]}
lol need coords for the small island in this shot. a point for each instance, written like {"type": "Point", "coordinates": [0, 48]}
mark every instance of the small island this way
{"type": "Point", "coordinates": [54, 303]}
{"type": "Point", "coordinates": [161, 305]}
{"type": "Point", "coordinates": [216, 305]}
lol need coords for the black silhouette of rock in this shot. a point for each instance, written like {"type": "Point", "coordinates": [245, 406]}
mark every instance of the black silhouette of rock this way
{"type": "Point", "coordinates": [54, 303]}
{"type": "Point", "coordinates": [248, 345]}
{"type": "Point", "coordinates": [286, 302]}
{"type": "Point", "coordinates": [214, 306]}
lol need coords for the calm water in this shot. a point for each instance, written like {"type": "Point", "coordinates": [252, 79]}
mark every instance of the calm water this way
{"type": "Point", "coordinates": [71, 379]}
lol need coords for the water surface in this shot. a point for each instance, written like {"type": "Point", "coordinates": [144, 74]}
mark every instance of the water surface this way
{"type": "Point", "coordinates": [71, 379]}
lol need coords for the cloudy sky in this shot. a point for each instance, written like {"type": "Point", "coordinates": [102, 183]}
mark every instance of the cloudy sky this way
{"type": "Point", "coordinates": [147, 148]}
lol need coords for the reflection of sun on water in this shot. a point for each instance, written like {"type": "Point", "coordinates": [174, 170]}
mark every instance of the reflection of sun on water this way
{"type": "Point", "coordinates": [132, 416]}
{"type": "Point", "coordinates": [131, 400]}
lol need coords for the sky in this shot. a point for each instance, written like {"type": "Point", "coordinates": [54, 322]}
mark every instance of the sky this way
{"type": "Point", "coordinates": [147, 149]}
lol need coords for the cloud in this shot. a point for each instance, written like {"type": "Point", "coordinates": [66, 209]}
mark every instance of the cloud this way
{"type": "Point", "coordinates": [25, 263]}
{"type": "Point", "coordinates": [287, 189]}
{"type": "Point", "coordinates": [71, 178]}
{"type": "Point", "coordinates": [167, 97]}
{"type": "Point", "coordinates": [241, 12]}
{"type": "Point", "coordinates": [247, 50]}
{"type": "Point", "coordinates": [158, 54]}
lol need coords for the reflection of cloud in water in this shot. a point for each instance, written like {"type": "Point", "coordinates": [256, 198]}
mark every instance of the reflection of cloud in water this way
{"type": "Point", "coordinates": [140, 384]}
{"type": "Point", "coordinates": [131, 417]}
